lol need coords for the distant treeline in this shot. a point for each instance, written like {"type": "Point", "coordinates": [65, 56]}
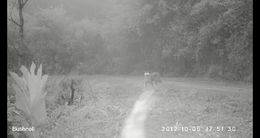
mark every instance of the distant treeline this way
{"type": "Point", "coordinates": [211, 38]}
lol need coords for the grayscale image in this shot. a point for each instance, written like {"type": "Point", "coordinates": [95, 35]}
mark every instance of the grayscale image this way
{"type": "Point", "coordinates": [130, 68]}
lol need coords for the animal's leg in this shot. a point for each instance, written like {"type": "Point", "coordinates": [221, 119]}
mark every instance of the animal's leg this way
{"type": "Point", "coordinates": [145, 84]}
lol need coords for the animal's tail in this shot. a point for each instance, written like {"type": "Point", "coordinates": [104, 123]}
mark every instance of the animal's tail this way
{"type": "Point", "coordinates": [134, 124]}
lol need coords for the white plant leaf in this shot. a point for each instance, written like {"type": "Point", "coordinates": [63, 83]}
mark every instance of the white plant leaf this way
{"type": "Point", "coordinates": [22, 101]}
{"type": "Point", "coordinates": [43, 80]}
{"type": "Point", "coordinates": [20, 83]}
{"type": "Point", "coordinates": [38, 110]}
{"type": "Point", "coordinates": [29, 92]}
{"type": "Point", "coordinates": [39, 72]}
{"type": "Point", "coordinates": [32, 69]}
{"type": "Point", "coordinates": [26, 73]}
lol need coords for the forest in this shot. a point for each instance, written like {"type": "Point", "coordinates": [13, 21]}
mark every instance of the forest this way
{"type": "Point", "coordinates": [130, 68]}
{"type": "Point", "coordinates": [178, 38]}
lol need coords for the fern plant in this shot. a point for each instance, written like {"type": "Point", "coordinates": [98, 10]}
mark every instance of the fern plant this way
{"type": "Point", "coordinates": [30, 97]}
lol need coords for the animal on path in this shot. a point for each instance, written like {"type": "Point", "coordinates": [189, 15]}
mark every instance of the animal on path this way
{"type": "Point", "coordinates": [152, 78]}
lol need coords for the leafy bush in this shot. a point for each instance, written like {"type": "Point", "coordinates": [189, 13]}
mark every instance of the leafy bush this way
{"type": "Point", "coordinates": [30, 97]}
{"type": "Point", "coordinates": [70, 90]}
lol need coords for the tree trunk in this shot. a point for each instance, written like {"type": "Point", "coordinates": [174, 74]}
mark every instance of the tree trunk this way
{"type": "Point", "coordinates": [23, 52]}
{"type": "Point", "coordinates": [21, 19]}
{"type": "Point", "coordinates": [72, 92]}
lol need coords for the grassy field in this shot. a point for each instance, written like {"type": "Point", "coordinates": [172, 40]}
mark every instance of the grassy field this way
{"type": "Point", "coordinates": [215, 109]}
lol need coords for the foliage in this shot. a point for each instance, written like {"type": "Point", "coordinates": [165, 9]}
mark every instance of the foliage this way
{"type": "Point", "coordinates": [30, 97]}
{"type": "Point", "coordinates": [70, 88]}
{"type": "Point", "coordinates": [182, 37]}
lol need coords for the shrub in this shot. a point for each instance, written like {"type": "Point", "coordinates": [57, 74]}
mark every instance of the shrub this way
{"type": "Point", "coordinates": [29, 95]}
{"type": "Point", "coordinates": [70, 89]}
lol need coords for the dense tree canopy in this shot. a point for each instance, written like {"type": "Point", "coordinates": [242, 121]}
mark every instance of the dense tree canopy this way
{"type": "Point", "coordinates": [177, 37]}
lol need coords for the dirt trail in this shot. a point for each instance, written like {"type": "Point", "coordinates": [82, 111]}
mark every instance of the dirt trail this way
{"type": "Point", "coordinates": [179, 102]}
{"type": "Point", "coordinates": [199, 103]}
